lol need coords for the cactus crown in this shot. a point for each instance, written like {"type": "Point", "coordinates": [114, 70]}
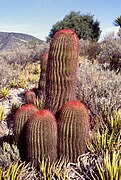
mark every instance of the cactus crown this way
{"type": "Point", "coordinates": [25, 108]}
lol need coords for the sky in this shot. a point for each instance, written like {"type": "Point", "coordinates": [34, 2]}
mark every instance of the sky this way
{"type": "Point", "coordinates": [36, 17]}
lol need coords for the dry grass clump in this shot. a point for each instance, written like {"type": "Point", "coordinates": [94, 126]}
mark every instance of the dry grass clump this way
{"type": "Point", "coordinates": [98, 89]}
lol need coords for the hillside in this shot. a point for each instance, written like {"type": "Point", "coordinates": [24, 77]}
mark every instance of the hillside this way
{"type": "Point", "coordinates": [9, 41]}
{"type": "Point", "coordinates": [20, 48]}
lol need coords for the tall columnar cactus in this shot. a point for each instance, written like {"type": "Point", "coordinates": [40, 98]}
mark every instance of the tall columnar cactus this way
{"type": "Point", "coordinates": [42, 80]}
{"type": "Point", "coordinates": [20, 119]}
{"type": "Point", "coordinates": [73, 130]}
{"type": "Point", "coordinates": [61, 70]}
{"type": "Point", "coordinates": [41, 136]}
{"type": "Point", "coordinates": [30, 97]}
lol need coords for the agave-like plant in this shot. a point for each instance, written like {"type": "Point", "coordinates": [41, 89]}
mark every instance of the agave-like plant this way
{"type": "Point", "coordinates": [4, 92]}
{"type": "Point", "coordinates": [2, 113]}
{"type": "Point", "coordinates": [111, 169]}
{"type": "Point", "coordinates": [117, 22]}
{"type": "Point", "coordinates": [17, 170]}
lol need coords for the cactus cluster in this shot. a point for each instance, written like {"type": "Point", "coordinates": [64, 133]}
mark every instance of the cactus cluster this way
{"type": "Point", "coordinates": [62, 127]}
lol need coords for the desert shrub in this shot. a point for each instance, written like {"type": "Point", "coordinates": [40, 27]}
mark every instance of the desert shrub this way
{"type": "Point", "coordinates": [8, 154]}
{"type": "Point", "coordinates": [89, 49]}
{"type": "Point", "coordinates": [93, 50]}
{"type": "Point", "coordinates": [83, 47]}
{"type": "Point", "coordinates": [111, 51]}
{"type": "Point", "coordinates": [98, 89]}
{"type": "Point", "coordinates": [7, 73]}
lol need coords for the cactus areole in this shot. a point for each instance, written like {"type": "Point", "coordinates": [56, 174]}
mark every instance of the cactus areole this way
{"type": "Point", "coordinates": [61, 70]}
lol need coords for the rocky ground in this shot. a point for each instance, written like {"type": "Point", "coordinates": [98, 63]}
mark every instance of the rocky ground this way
{"type": "Point", "coordinates": [15, 97]}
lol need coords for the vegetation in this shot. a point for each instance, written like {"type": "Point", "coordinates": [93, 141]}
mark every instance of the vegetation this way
{"type": "Point", "coordinates": [117, 22]}
{"type": "Point", "coordinates": [73, 126]}
{"type": "Point", "coordinates": [83, 25]}
{"type": "Point", "coordinates": [61, 70]}
{"type": "Point", "coordinates": [97, 98]}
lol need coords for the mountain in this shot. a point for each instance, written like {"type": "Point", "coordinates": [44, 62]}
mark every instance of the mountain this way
{"type": "Point", "coordinates": [10, 40]}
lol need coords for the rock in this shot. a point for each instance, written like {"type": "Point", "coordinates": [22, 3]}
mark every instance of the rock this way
{"type": "Point", "coordinates": [16, 96]}
{"type": "Point", "coordinates": [4, 131]}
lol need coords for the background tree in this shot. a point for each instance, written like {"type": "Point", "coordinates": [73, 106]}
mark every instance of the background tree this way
{"type": "Point", "coordinates": [117, 22]}
{"type": "Point", "coordinates": [84, 26]}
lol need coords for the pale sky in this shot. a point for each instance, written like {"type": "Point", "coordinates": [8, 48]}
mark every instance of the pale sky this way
{"type": "Point", "coordinates": [36, 17]}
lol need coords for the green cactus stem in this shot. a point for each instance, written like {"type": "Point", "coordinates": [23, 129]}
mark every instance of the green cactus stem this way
{"type": "Point", "coordinates": [41, 137]}
{"type": "Point", "coordinates": [73, 130]}
{"type": "Point", "coordinates": [20, 119]}
{"type": "Point", "coordinates": [61, 70]}
{"type": "Point", "coordinates": [42, 81]}
{"type": "Point", "coordinates": [30, 97]}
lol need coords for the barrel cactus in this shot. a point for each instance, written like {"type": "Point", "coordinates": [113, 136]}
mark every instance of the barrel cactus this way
{"type": "Point", "coordinates": [30, 97]}
{"type": "Point", "coordinates": [61, 70]}
{"type": "Point", "coordinates": [20, 119]}
{"type": "Point", "coordinates": [41, 137]}
{"type": "Point", "coordinates": [73, 130]}
{"type": "Point", "coordinates": [42, 81]}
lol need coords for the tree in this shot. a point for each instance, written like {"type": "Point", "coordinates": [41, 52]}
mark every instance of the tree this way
{"type": "Point", "coordinates": [84, 26]}
{"type": "Point", "coordinates": [117, 22]}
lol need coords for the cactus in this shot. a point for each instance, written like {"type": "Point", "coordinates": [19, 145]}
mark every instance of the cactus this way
{"type": "Point", "coordinates": [41, 137]}
{"type": "Point", "coordinates": [73, 130]}
{"type": "Point", "coordinates": [42, 81]}
{"type": "Point", "coordinates": [30, 97]}
{"type": "Point", "coordinates": [20, 119]}
{"type": "Point", "coordinates": [61, 70]}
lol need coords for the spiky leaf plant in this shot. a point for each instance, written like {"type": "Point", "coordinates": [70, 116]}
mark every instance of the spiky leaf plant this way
{"type": "Point", "coordinates": [111, 167]}
{"type": "Point", "coordinates": [61, 70]}
{"type": "Point", "coordinates": [17, 171]}
{"type": "Point", "coordinates": [73, 130]}
{"type": "Point", "coordinates": [56, 170]}
{"type": "Point", "coordinates": [4, 92]}
{"type": "Point", "coordinates": [20, 119]}
{"type": "Point", "coordinates": [41, 137]}
{"type": "Point", "coordinates": [107, 144]}
{"type": "Point", "coordinates": [2, 113]}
